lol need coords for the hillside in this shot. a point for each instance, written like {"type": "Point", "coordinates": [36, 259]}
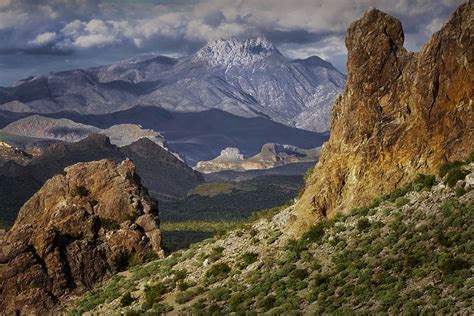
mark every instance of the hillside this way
{"type": "Point", "coordinates": [401, 113]}
{"type": "Point", "coordinates": [408, 253]}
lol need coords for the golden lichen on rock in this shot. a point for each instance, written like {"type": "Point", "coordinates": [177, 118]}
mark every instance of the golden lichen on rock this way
{"type": "Point", "coordinates": [401, 114]}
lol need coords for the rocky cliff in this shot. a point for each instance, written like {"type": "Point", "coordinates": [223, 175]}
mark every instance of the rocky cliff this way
{"type": "Point", "coordinates": [77, 230]}
{"type": "Point", "coordinates": [401, 113]}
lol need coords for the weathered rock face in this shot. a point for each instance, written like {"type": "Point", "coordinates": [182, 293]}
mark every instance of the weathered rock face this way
{"type": "Point", "coordinates": [76, 231]}
{"type": "Point", "coordinates": [402, 113]}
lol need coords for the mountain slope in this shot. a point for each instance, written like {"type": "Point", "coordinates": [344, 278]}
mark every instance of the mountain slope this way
{"type": "Point", "coordinates": [408, 255]}
{"type": "Point", "coordinates": [247, 78]}
{"type": "Point", "coordinates": [401, 114]}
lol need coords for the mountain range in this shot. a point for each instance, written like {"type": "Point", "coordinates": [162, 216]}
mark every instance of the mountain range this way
{"type": "Point", "coordinates": [249, 78]}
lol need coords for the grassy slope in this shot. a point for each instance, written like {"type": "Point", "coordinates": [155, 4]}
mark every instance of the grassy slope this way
{"type": "Point", "coordinates": [411, 252]}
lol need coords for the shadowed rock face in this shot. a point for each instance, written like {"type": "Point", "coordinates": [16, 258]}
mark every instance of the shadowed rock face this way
{"type": "Point", "coordinates": [76, 231]}
{"type": "Point", "coordinates": [401, 114]}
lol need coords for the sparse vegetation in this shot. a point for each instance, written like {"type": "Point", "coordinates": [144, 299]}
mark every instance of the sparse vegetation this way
{"type": "Point", "coordinates": [382, 259]}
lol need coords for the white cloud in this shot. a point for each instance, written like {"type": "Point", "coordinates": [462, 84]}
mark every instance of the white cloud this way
{"type": "Point", "coordinates": [326, 48]}
{"type": "Point", "coordinates": [43, 39]}
{"type": "Point", "coordinates": [94, 40]}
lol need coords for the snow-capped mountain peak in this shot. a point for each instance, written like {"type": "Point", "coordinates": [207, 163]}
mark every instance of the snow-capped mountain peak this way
{"type": "Point", "coordinates": [232, 51]}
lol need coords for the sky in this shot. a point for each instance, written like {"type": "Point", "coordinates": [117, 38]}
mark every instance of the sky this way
{"type": "Point", "coordinates": [38, 36]}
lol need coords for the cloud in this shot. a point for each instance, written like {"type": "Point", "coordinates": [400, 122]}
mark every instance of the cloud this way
{"type": "Point", "coordinates": [297, 27]}
{"type": "Point", "coordinates": [43, 39]}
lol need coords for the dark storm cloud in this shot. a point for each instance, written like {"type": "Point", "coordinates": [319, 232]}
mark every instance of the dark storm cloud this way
{"type": "Point", "coordinates": [78, 33]}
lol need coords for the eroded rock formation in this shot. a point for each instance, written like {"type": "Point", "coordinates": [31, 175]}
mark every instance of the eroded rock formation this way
{"type": "Point", "coordinates": [77, 230]}
{"type": "Point", "coordinates": [401, 113]}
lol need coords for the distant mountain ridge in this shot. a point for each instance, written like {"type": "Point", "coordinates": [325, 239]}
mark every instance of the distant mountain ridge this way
{"type": "Point", "coordinates": [272, 155]}
{"type": "Point", "coordinates": [66, 130]}
{"type": "Point", "coordinates": [162, 173]}
{"type": "Point", "coordinates": [247, 78]}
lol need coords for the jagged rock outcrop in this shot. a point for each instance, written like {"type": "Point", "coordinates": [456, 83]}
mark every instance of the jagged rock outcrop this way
{"type": "Point", "coordinates": [76, 231]}
{"type": "Point", "coordinates": [401, 114]}
{"type": "Point", "coordinates": [271, 155]}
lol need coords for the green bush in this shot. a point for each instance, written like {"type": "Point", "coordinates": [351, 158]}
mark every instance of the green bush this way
{"type": "Point", "coordinates": [423, 181]}
{"type": "Point", "coordinates": [127, 299]}
{"type": "Point", "coordinates": [454, 175]}
{"type": "Point", "coordinates": [247, 259]}
{"type": "Point", "coordinates": [299, 274]}
{"type": "Point", "coordinates": [153, 295]}
{"type": "Point", "coordinates": [363, 224]}
{"type": "Point", "coordinates": [267, 303]}
{"type": "Point", "coordinates": [451, 265]}
{"type": "Point", "coordinates": [360, 211]}
{"type": "Point", "coordinates": [400, 201]}
{"type": "Point", "coordinates": [215, 254]}
{"type": "Point", "coordinates": [220, 293]}
{"type": "Point", "coordinates": [444, 170]}
{"type": "Point", "coordinates": [315, 233]}
{"type": "Point", "coordinates": [218, 271]}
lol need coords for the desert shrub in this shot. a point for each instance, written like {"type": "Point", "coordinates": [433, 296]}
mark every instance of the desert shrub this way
{"type": "Point", "coordinates": [471, 157]}
{"type": "Point", "coordinates": [267, 302]}
{"type": "Point", "coordinates": [247, 259]}
{"type": "Point", "coordinates": [454, 175]}
{"type": "Point", "coordinates": [81, 191]}
{"type": "Point", "coordinates": [423, 181]}
{"type": "Point", "coordinates": [400, 201]}
{"type": "Point", "coordinates": [360, 211]}
{"type": "Point", "coordinates": [399, 192]}
{"type": "Point", "coordinates": [219, 294]}
{"type": "Point", "coordinates": [188, 295]}
{"type": "Point", "coordinates": [315, 233]}
{"type": "Point", "coordinates": [127, 299]}
{"type": "Point", "coordinates": [160, 308]}
{"type": "Point", "coordinates": [451, 265]}
{"type": "Point", "coordinates": [180, 275]}
{"type": "Point", "coordinates": [274, 236]}
{"type": "Point", "coordinates": [93, 202]}
{"type": "Point", "coordinates": [363, 224]}
{"type": "Point", "coordinates": [444, 170]}
{"type": "Point", "coordinates": [218, 271]}
{"type": "Point", "coordinates": [153, 295]}
{"type": "Point", "coordinates": [299, 274]}
{"type": "Point", "coordinates": [215, 254]}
